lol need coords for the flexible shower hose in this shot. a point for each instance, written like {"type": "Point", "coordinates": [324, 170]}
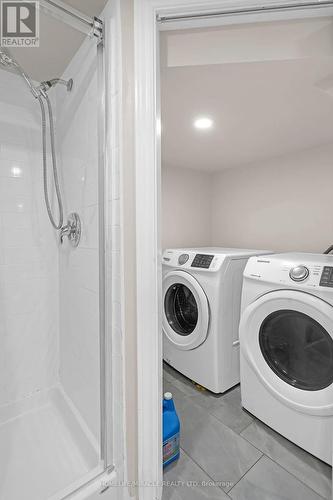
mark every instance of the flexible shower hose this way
{"type": "Point", "coordinates": [7, 61]}
{"type": "Point", "coordinates": [54, 164]}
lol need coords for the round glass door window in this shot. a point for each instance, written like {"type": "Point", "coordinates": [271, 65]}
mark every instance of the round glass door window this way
{"type": "Point", "coordinates": [181, 309]}
{"type": "Point", "coordinates": [298, 349]}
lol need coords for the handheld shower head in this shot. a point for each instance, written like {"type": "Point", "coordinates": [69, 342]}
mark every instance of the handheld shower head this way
{"type": "Point", "coordinates": [6, 60]}
{"type": "Point", "coordinates": [9, 62]}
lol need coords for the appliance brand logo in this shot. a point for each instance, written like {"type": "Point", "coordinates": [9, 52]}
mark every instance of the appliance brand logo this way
{"type": "Point", "coordinates": [19, 24]}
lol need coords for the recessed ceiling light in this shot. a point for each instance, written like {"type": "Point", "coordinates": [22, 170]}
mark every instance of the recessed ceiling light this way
{"type": "Point", "coordinates": [203, 123]}
{"type": "Point", "coordinates": [16, 172]}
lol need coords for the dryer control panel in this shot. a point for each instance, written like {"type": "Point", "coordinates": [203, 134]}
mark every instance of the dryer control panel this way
{"type": "Point", "coordinates": [326, 278]}
{"type": "Point", "coordinates": [202, 260]}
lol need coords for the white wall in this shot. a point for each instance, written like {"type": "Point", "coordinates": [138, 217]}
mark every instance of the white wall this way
{"type": "Point", "coordinates": [282, 204]}
{"type": "Point", "coordinates": [28, 251]}
{"type": "Point", "coordinates": [186, 208]}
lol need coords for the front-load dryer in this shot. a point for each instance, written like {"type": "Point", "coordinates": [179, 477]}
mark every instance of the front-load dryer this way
{"type": "Point", "coordinates": [286, 332]}
{"type": "Point", "coordinates": [201, 311]}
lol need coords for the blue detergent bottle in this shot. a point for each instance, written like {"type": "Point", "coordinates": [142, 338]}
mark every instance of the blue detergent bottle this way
{"type": "Point", "coordinates": [171, 431]}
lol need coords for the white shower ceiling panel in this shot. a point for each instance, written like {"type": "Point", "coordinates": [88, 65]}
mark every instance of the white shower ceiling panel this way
{"type": "Point", "coordinates": [58, 43]}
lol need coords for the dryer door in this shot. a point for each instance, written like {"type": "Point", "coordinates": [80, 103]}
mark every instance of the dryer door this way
{"type": "Point", "coordinates": [185, 310]}
{"type": "Point", "coordinates": [286, 336]}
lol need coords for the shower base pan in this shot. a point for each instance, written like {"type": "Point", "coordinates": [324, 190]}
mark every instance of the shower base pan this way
{"type": "Point", "coordinates": [45, 449]}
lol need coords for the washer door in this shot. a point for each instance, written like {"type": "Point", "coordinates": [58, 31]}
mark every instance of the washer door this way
{"type": "Point", "coordinates": [286, 336]}
{"type": "Point", "coordinates": [185, 311]}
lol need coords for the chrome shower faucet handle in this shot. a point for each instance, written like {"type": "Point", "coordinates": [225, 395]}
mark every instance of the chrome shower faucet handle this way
{"type": "Point", "coordinates": [72, 230]}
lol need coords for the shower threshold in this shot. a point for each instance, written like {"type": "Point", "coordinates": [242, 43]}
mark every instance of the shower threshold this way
{"type": "Point", "coordinates": [46, 451]}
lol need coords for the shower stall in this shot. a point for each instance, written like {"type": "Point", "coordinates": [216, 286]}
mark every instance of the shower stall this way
{"type": "Point", "coordinates": [53, 362]}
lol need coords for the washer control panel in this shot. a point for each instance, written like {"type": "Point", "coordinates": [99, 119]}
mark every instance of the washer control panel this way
{"type": "Point", "coordinates": [202, 260]}
{"type": "Point", "coordinates": [192, 259]}
{"type": "Point", "coordinates": [289, 270]}
{"type": "Point", "coordinates": [299, 273]}
{"type": "Point", "coordinates": [326, 278]}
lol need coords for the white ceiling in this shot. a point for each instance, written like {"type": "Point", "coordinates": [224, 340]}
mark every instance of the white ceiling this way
{"type": "Point", "coordinates": [269, 90]}
{"type": "Point", "coordinates": [88, 7]}
{"type": "Point", "coordinates": [58, 43]}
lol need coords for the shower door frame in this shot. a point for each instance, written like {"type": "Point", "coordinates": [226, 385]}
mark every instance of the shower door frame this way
{"type": "Point", "coordinates": [106, 108]}
{"type": "Point", "coordinates": [147, 25]}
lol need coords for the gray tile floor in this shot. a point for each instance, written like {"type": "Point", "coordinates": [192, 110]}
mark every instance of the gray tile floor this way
{"type": "Point", "coordinates": [226, 453]}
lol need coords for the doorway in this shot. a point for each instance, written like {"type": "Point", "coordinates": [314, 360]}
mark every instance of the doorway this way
{"type": "Point", "coordinates": [148, 181]}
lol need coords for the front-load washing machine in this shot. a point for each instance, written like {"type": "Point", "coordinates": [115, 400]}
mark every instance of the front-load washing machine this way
{"type": "Point", "coordinates": [286, 332]}
{"type": "Point", "coordinates": [201, 311]}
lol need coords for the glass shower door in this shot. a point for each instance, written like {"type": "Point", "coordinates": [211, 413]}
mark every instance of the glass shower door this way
{"type": "Point", "coordinates": [52, 359]}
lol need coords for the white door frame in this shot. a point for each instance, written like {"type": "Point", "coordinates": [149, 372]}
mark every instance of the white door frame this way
{"type": "Point", "coordinates": [148, 173]}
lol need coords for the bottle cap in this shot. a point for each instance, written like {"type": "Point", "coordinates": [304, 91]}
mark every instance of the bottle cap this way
{"type": "Point", "coordinates": [168, 396]}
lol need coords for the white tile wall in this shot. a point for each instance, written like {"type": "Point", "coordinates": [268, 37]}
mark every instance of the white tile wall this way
{"type": "Point", "coordinates": [29, 355]}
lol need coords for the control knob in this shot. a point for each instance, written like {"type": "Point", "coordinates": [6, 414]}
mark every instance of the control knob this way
{"type": "Point", "coordinates": [299, 273]}
{"type": "Point", "coordinates": [183, 258]}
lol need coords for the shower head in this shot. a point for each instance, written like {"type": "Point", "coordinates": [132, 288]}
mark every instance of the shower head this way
{"type": "Point", "coordinates": [48, 84]}
{"type": "Point", "coordinates": [8, 61]}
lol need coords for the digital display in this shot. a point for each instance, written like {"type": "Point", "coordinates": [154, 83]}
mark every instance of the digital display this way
{"type": "Point", "coordinates": [326, 278]}
{"type": "Point", "coordinates": [201, 260]}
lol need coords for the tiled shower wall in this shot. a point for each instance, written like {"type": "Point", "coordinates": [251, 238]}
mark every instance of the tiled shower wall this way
{"type": "Point", "coordinates": [77, 136]}
{"type": "Point", "coordinates": [28, 251]}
